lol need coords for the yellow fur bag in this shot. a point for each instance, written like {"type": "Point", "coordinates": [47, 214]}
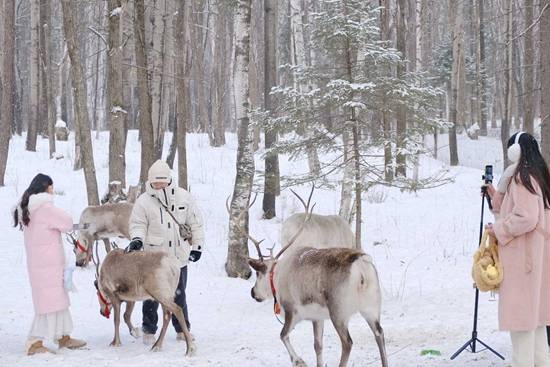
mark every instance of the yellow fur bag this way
{"type": "Point", "coordinates": [487, 269]}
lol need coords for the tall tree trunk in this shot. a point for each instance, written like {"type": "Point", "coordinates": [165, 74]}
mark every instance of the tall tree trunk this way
{"type": "Point", "coordinates": [116, 109]}
{"type": "Point", "coordinates": [481, 85]}
{"type": "Point", "coordinates": [49, 74]}
{"type": "Point", "coordinates": [401, 116]}
{"type": "Point", "coordinates": [456, 15]}
{"type": "Point", "coordinates": [508, 82]}
{"type": "Point", "coordinates": [81, 107]}
{"type": "Point", "coordinates": [183, 91]}
{"type": "Point", "coordinates": [237, 255]}
{"type": "Point", "coordinates": [347, 181]}
{"type": "Point", "coordinates": [528, 71]}
{"type": "Point", "coordinates": [145, 119]}
{"type": "Point", "coordinates": [386, 122]}
{"type": "Point", "coordinates": [271, 182]}
{"type": "Point", "coordinates": [8, 80]}
{"type": "Point", "coordinates": [544, 29]}
{"type": "Point", "coordinates": [34, 75]}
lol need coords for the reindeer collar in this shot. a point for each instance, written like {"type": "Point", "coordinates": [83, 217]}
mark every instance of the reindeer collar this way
{"type": "Point", "coordinates": [276, 305]}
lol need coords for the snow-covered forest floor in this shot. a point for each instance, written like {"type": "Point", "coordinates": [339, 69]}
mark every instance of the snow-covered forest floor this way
{"type": "Point", "coordinates": [422, 244]}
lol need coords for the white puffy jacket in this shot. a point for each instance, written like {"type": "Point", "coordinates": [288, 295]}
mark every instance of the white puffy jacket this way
{"type": "Point", "coordinates": [151, 222]}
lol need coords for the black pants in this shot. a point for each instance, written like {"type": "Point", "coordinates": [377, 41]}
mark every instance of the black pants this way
{"type": "Point", "coordinates": [150, 308]}
{"type": "Point", "coordinates": [548, 334]}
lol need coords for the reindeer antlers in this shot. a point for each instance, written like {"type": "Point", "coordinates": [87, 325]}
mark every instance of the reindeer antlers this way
{"type": "Point", "coordinates": [308, 212]}
{"type": "Point", "coordinates": [308, 216]}
{"type": "Point", "coordinates": [306, 206]}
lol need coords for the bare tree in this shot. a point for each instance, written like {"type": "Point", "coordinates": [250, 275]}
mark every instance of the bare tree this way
{"type": "Point", "coordinates": [271, 183]}
{"type": "Point", "coordinates": [116, 111]}
{"type": "Point", "coordinates": [183, 91]}
{"type": "Point", "coordinates": [237, 255]}
{"type": "Point", "coordinates": [47, 69]}
{"type": "Point", "coordinates": [34, 75]}
{"type": "Point", "coordinates": [507, 118]}
{"type": "Point", "coordinates": [481, 84]}
{"type": "Point", "coordinates": [386, 122]}
{"type": "Point", "coordinates": [544, 29]}
{"type": "Point", "coordinates": [456, 19]}
{"type": "Point", "coordinates": [528, 70]}
{"type": "Point", "coordinates": [8, 79]}
{"type": "Point", "coordinates": [401, 131]}
{"type": "Point", "coordinates": [144, 97]}
{"type": "Point", "coordinates": [81, 106]}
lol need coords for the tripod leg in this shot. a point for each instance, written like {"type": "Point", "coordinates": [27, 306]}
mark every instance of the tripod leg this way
{"type": "Point", "coordinates": [491, 349]}
{"type": "Point", "coordinates": [466, 345]}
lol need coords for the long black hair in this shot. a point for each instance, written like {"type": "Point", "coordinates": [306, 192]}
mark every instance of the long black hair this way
{"type": "Point", "coordinates": [532, 164]}
{"type": "Point", "coordinates": [39, 183]}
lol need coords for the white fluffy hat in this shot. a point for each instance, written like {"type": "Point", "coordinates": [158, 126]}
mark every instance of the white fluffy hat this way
{"type": "Point", "coordinates": [159, 172]}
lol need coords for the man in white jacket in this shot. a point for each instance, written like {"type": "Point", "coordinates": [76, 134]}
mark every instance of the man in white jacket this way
{"type": "Point", "coordinates": [155, 225]}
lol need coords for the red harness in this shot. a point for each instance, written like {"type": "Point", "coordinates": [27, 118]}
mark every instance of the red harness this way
{"type": "Point", "coordinates": [80, 247]}
{"type": "Point", "coordinates": [276, 305]}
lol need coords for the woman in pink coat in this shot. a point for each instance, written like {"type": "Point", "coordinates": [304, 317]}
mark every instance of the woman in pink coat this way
{"type": "Point", "coordinates": [42, 224]}
{"type": "Point", "coordinates": [523, 232]}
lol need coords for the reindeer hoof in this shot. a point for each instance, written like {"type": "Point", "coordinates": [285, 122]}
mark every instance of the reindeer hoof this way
{"type": "Point", "coordinates": [156, 348]}
{"type": "Point", "coordinates": [115, 344]}
{"type": "Point", "coordinates": [191, 351]}
{"type": "Point", "coordinates": [136, 332]}
{"type": "Point", "coordinates": [299, 363]}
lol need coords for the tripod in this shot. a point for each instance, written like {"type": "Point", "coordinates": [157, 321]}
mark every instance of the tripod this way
{"type": "Point", "coordinates": [472, 342]}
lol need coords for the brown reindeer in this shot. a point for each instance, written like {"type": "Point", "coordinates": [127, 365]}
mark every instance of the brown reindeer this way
{"type": "Point", "coordinates": [317, 284]}
{"type": "Point", "coordinates": [137, 276]}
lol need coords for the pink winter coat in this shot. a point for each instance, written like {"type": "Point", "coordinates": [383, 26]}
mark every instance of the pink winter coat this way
{"type": "Point", "coordinates": [45, 255]}
{"type": "Point", "coordinates": [524, 248]}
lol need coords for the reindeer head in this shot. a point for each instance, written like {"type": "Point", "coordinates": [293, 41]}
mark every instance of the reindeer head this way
{"type": "Point", "coordinates": [264, 265]}
{"type": "Point", "coordinates": [104, 305]}
{"type": "Point", "coordinates": [82, 246]}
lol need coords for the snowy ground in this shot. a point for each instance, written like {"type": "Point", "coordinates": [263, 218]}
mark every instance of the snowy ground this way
{"type": "Point", "coordinates": [422, 244]}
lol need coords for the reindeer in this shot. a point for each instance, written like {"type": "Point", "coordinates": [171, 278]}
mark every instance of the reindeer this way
{"type": "Point", "coordinates": [100, 222]}
{"type": "Point", "coordinates": [317, 284]}
{"type": "Point", "coordinates": [320, 231]}
{"type": "Point", "coordinates": [137, 276]}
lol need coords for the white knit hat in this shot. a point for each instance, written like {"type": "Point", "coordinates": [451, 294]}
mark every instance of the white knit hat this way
{"type": "Point", "coordinates": [160, 172]}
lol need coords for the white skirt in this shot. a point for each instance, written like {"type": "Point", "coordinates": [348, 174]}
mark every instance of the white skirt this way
{"type": "Point", "coordinates": [51, 326]}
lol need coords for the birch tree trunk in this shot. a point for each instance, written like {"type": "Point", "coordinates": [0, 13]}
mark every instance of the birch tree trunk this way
{"type": "Point", "coordinates": [145, 119]}
{"type": "Point", "coordinates": [34, 74]}
{"type": "Point", "coordinates": [271, 181]}
{"type": "Point", "coordinates": [81, 107]}
{"type": "Point", "coordinates": [183, 91]}
{"type": "Point", "coordinates": [528, 61]}
{"type": "Point", "coordinates": [237, 255]}
{"type": "Point", "coordinates": [347, 182]}
{"type": "Point", "coordinates": [8, 80]}
{"type": "Point", "coordinates": [116, 110]}
{"type": "Point", "coordinates": [544, 29]}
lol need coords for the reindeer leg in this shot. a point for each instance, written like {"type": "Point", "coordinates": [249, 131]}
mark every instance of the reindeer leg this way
{"type": "Point", "coordinates": [165, 321]}
{"type": "Point", "coordinates": [318, 327]}
{"type": "Point", "coordinates": [116, 308]}
{"type": "Point", "coordinates": [178, 313]}
{"type": "Point", "coordinates": [135, 332]}
{"type": "Point", "coordinates": [290, 321]}
{"type": "Point", "coordinates": [341, 326]}
{"type": "Point", "coordinates": [374, 324]}
{"type": "Point", "coordinates": [107, 245]}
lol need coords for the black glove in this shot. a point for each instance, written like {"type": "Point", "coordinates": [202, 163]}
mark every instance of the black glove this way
{"type": "Point", "coordinates": [135, 245]}
{"type": "Point", "coordinates": [195, 255]}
